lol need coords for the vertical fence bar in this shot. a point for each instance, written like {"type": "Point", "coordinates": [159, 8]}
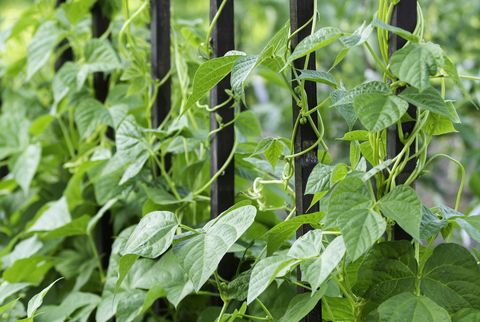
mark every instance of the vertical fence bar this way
{"type": "Point", "coordinates": [405, 17]}
{"type": "Point", "coordinates": [161, 61]}
{"type": "Point", "coordinates": [222, 190]}
{"type": "Point", "coordinates": [300, 13]}
{"type": "Point", "coordinates": [100, 24]}
{"type": "Point", "coordinates": [67, 54]}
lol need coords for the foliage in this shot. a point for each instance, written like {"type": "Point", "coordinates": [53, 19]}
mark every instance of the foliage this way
{"type": "Point", "coordinates": [67, 173]}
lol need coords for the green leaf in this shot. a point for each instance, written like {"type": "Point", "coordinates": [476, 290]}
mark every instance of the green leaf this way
{"type": "Point", "coordinates": [410, 307]}
{"type": "Point", "coordinates": [316, 271]}
{"type": "Point", "coordinates": [240, 72]}
{"type": "Point", "coordinates": [51, 216]}
{"type": "Point", "coordinates": [26, 166]}
{"type": "Point", "coordinates": [283, 231]}
{"type": "Point", "coordinates": [37, 300]}
{"type": "Point", "coordinates": [272, 149]}
{"type": "Point", "coordinates": [99, 57]}
{"type": "Point", "coordinates": [23, 249]}
{"type": "Point", "coordinates": [64, 81]}
{"type": "Point", "coordinates": [358, 37]}
{"type": "Point", "coordinates": [388, 269]}
{"type": "Point", "coordinates": [42, 45]}
{"type": "Point", "coordinates": [404, 207]}
{"type": "Point", "coordinates": [369, 87]}
{"type": "Point", "coordinates": [75, 304]}
{"type": "Point", "coordinates": [9, 289]}
{"type": "Point", "coordinates": [168, 274]}
{"type": "Point", "coordinates": [318, 77]}
{"type": "Point", "coordinates": [300, 305]}
{"type": "Point", "coordinates": [319, 179]}
{"type": "Point", "coordinates": [471, 225]}
{"type": "Point", "coordinates": [337, 309]}
{"type": "Point", "coordinates": [361, 228]}
{"type": "Point", "coordinates": [450, 278]}
{"type": "Point", "coordinates": [265, 271]}
{"type": "Point", "coordinates": [200, 255]}
{"type": "Point", "coordinates": [357, 135]}
{"type": "Point", "coordinates": [466, 315]}
{"type": "Point", "coordinates": [438, 125]}
{"type": "Point", "coordinates": [378, 111]}
{"type": "Point", "coordinates": [428, 99]}
{"type": "Point", "coordinates": [248, 125]}
{"type": "Point", "coordinates": [398, 31]}
{"type": "Point", "coordinates": [415, 63]}
{"type": "Point", "coordinates": [307, 246]}
{"type": "Point", "coordinates": [349, 194]}
{"type": "Point", "coordinates": [31, 270]}
{"type": "Point", "coordinates": [8, 306]}
{"type": "Point", "coordinates": [89, 115]}
{"type": "Point", "coordinates": [208, 75]}
{"type": "Point", "coordinates": [320, 38]}
{"type": "Point", "coordinates": [153, 294]}
{"type": "Point", "coordinates": [153, 235]}
{"type": "Point", "coordinates": [431, 225]}
{"type": "Point", "coordinates": [76, 227]}
{"type": "Point", "coordinates": [124, 265]}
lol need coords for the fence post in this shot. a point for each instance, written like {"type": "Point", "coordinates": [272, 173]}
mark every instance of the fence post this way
{"type": "Point", "coordinates": [99, 25]}
{"type": "Point", "coordinates": [300, 13]}
{"type": "Point", "coordinates": [404, 16]}
{"type": "Point", "coordinates": [223, 189]}
{"type": "Point", "coordinates": [100, 85]}
{"type": "Point", "coordinates": [67, 54]}
{"type": "Point", "coordinates": [160, 59]}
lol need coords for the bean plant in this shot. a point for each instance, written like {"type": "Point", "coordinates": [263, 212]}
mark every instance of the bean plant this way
{"type": "Point", "coordinates": [72, 161]}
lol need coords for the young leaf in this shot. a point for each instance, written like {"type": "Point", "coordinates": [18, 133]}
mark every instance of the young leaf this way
{"type": "Point", "coordinates": [200, 255]}
{"type": "Point", "coordinates": [281, 232]}
{"type": "Point", "coordinates": [317, 271]}
{"type": "Point", "coordinates": [300, 305]}
{"type": "Point", "coordinates": [37, 300]}
{"type": "Point", "coordinates": [378, 111]}
{"type": "Point", "coordinates": [265, 271]}
{"type": "Point", "coordinates": [168, 274]}
{"type": "Point", "coordinates": [153, 235]}
{"type": "Point", "coordinates": [410, 307]}
{"type": "Point", "coordinates": [349, 194]}
{"type": "Point", "coordinates": [428, 99]}
{"type": "Point", "coordinates": [403, 205]}
{"type": "Point", "coordinates": [471, 225]}
{"type": "Point", "coordinates": [43, 43]}
{"type": "Point", "coordinates": [321, 38]}
{"type": "Point", "coordinates": [415, 64]}
{"type": "Point", "coordinates": [52, 216]}
{"type": "Point", "coordinates": [89, 115]}
{"type": "Point", "coordinates": [319, 179]}
{"type": "Point", "coordinates": [318, 77]}
{"type": "Point", "coordinates": [208, 75]}
{"type": "Point", "coordinates": [307, 246]}
{"type": "Point", "coordinates": [358, 37]}
{"type": "Point", "coordinates": [26, 166]}
{"type": "Point", "coordinates": [361, 228]}
{"type": "Point", "coordinates": [240, 72]}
